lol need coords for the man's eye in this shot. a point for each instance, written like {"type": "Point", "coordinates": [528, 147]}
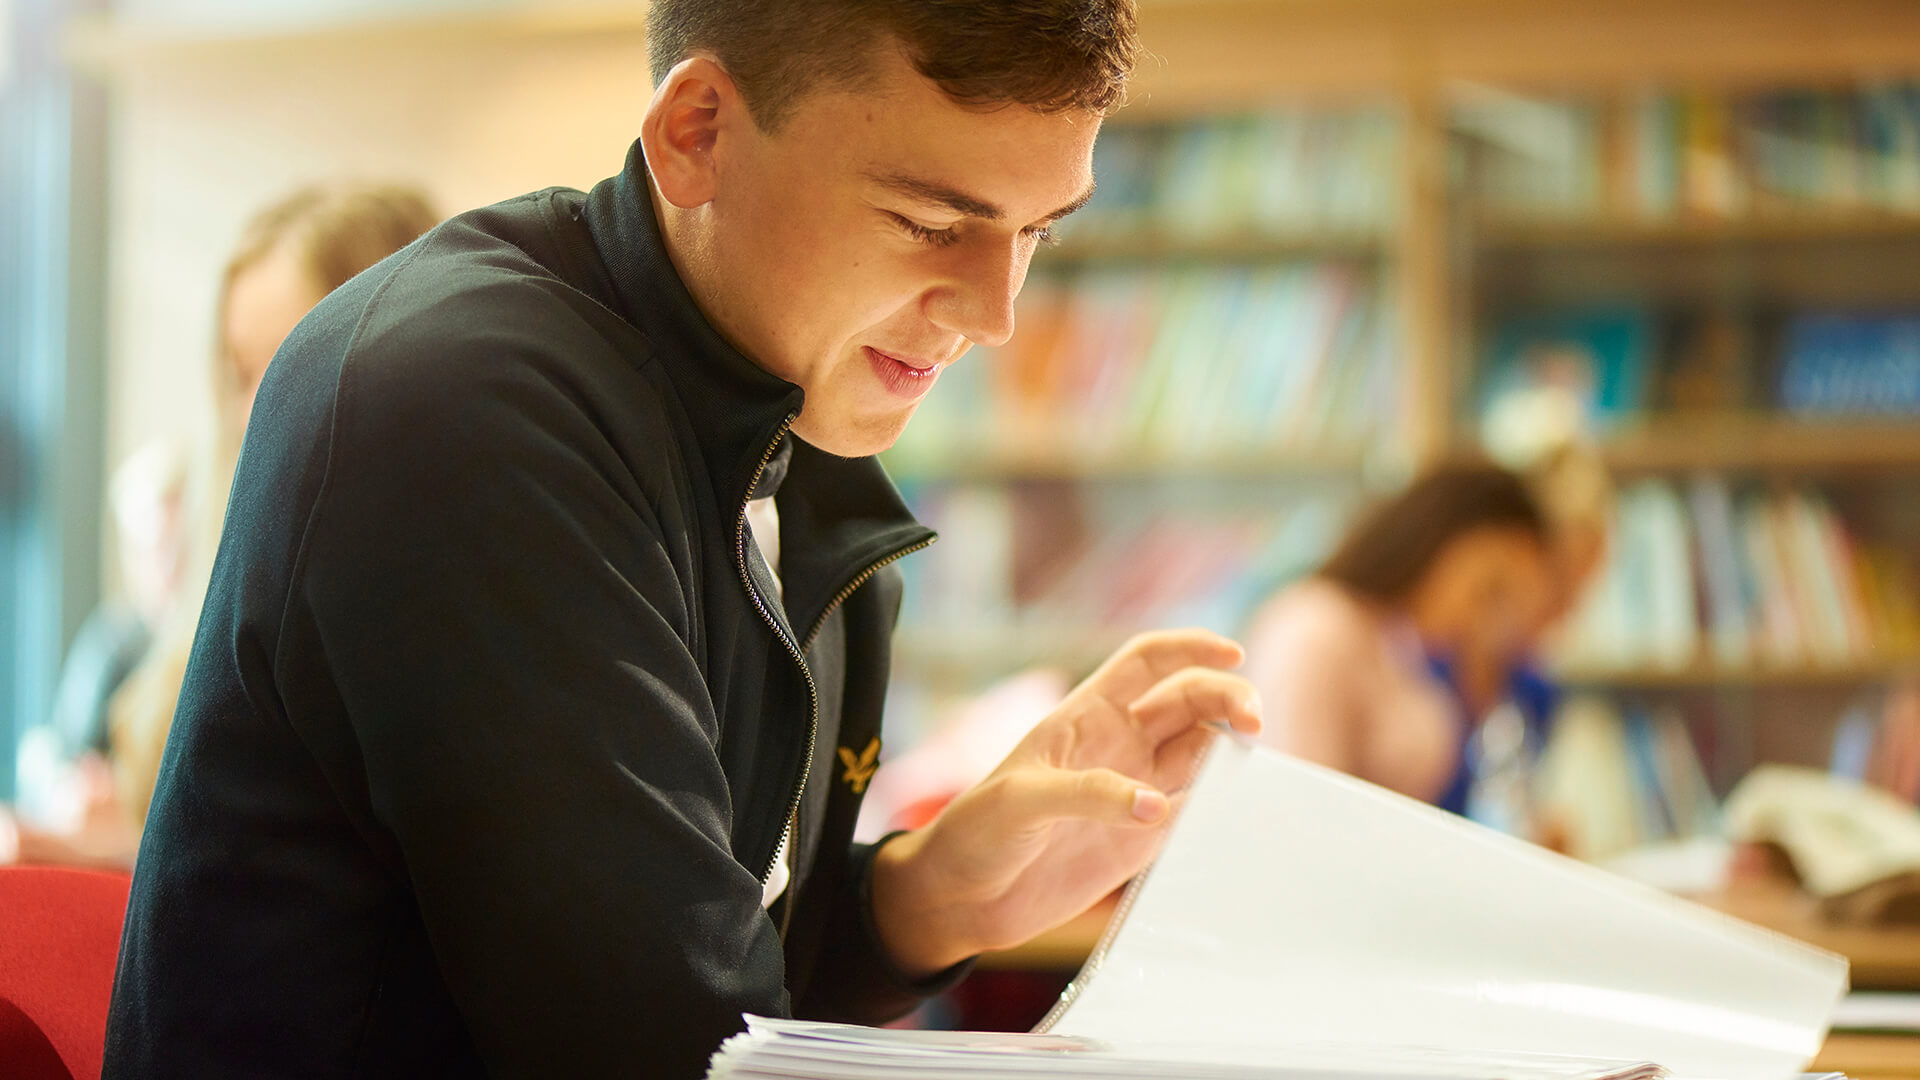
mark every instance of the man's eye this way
{"type": "Point", "coordinates": [925, 235]}
{"type": "Point", "coordinates": [1044, 234]}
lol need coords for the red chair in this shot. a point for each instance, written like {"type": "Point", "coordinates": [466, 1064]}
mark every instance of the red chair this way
{"type": "Point", "coordinates": [59, 942]}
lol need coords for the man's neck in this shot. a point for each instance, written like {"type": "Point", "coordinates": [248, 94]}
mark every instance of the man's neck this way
{"type": "Point", "coordinates": [691, 254]}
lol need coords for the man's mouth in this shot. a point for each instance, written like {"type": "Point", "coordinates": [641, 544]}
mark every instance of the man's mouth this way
{"type": "Point", "coordinates": [905, 376]}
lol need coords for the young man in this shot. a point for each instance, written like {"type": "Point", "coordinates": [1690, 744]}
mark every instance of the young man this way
{"type": "Point", "coordinates": [526, 726]}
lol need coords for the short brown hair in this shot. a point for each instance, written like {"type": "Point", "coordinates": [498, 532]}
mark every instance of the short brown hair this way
{"type": "Point", "coordinates": [1049, 55]}
{"type": "Point", "coordinates": [1393, 545]}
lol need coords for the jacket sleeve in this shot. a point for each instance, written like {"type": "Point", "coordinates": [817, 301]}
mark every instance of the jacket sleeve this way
{"type": "Point", "coordinates": [854, 981]}
{"type": "Point", "coordinates": [502, 616]}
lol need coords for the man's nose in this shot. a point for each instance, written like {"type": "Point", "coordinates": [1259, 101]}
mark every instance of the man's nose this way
{"type": "Point", "coordinates": [977, 303]}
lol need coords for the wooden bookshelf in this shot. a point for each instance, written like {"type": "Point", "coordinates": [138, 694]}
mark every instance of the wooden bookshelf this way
{"type": "Point", "coordinates": [1246, 246]}
{"type": "Point", "coordinates": [1763, 443]}
{"type": "Point", "coordinates": [1211, 55]}
{"type": "Point", "coordinates": [1555, 233]}
{"type": "Point", "coordinates": [1868, 1056]}
{"type": "Point", "coordinates": [1222, 54]}
{"type": "Point", "coordinates": [1216, 57]}
{"type": "Point", "coordinates": [1711, 676]}
{"type": "Point", "coordinates": [1052, 462]}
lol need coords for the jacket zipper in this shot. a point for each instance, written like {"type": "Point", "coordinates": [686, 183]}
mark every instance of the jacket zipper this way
{"type": "Point", "coordinates": [760, 605]}
{"type": "Point", "coordinates": [798, 652]}
{"type": "Point", "coordinates": [793, 822]}
{"type": "Point", "coordinates": [854, 585]}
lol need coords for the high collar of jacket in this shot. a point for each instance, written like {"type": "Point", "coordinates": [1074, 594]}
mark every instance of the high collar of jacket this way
{"type": "Point", "coordinates": [838, 515]}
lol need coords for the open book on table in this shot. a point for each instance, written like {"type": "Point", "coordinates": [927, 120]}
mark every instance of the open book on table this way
{"type": "Point", "coordinates": [1301, 923]}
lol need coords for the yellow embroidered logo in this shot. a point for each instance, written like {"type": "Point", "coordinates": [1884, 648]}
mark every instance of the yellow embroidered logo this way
{"type": "Point", "coordinates": [860, 769]}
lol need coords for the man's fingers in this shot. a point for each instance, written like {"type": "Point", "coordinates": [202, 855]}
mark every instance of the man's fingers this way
{"type": "Point", "coordinates": [1045, 794]}
{"type": "Point", "coordinates": [1148, 658]}
{"type": "Point", "coordinates": [1196, 696]}
{"type": "Point", "coordinates": [1178, 759]}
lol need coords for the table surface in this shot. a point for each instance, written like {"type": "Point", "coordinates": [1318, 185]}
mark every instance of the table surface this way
{"type": "Point", "coordinates": [1884, 958]}
{"type": "Point", "coordinates": [1870, 1057]}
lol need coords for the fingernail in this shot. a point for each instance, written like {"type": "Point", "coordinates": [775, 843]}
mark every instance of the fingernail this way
{"type": "Point", "coordinates": [1149, 805]}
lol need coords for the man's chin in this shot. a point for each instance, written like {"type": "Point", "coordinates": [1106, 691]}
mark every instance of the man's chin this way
{"type": "Point", "coordinates": [851, 436]}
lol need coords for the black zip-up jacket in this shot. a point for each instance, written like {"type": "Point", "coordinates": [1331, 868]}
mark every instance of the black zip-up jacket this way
{"type": "Point", "coordinates": [492, 726]}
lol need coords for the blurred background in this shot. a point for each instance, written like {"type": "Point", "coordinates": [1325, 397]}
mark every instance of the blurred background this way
{"type": "Point", "coordinates": [1336, 244]}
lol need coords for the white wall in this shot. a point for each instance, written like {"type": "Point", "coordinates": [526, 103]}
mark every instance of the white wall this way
{"type": "Point", "coordinates": [204, 136]}
{"type": "Point", "coordinates": [245, 15]}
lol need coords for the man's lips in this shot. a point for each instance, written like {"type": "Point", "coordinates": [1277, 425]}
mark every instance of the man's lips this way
{"type": "Point", "coordinates": [913, 362]}
{"type": "Point", "coordinates": [906, 377]}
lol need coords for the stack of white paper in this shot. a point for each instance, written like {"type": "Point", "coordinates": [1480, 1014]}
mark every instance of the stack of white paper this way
{"type": "Point", "coordinates": [803, 1050]}
{"type": "Point", "coordinates": [1301, 923]}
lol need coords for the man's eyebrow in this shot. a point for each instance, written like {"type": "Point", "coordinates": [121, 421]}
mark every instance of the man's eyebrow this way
{"type": "Point", "coordinates": [959, 201]}
{"type": "Point", "coordinates": [1085, 197]}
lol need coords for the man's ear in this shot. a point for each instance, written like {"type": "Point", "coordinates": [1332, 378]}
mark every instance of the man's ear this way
{"type": "Point", "coordinates": [693, 111]}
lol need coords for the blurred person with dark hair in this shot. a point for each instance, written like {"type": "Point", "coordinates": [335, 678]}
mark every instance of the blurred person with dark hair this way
{"type": "Point", "coordinates": [1385, 662]}
{"type": "Point", "coordinates": [541, 674]}
{"type": "Point", "coordinates": [87, 776]}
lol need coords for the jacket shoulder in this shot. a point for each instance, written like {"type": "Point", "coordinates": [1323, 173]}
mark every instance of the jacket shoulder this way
{"type": "Point", "coordinates": [492, 306]}
{"type": "Point", "coordinates": [479, 349]}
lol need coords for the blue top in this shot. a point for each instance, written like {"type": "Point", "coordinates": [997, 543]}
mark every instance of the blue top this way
{"type": "Point", "coordinates": [1527, 688]}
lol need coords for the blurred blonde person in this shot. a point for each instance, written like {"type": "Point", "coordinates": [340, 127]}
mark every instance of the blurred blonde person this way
{"type": "Point", "coordinates": [290, 256]}
{"type": "Point", "coordinates": [65, 807]}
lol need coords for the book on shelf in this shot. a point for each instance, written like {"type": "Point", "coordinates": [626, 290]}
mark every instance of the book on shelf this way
{"type": "Point", "coordinates": [1300, 923]}
{"type": "Point", "coordinates": [1708, 359]}
{"type": "Point", "coordinates": [1757, 578]}
{"type": "Point", "coordinates": [1644, 162]}
{"type": "Point", "coordinates": [1531, 155]}
{"type": "Point", "coordinates": [1659, 155]}
{"type": "Point", "coordinates": [1614, 780]}
{"type": "Point", "coordinates": [1873, 743]}
{"type": "Point", "coordinates": [1625, 361]}
{"type": "Point", "coordinates": [1639, 612]}
{"type": "Point", "coordinates": [1729, 591]}
{"type": "Point", "coordinates": [1279, 172]}
{"type": "Point", "coordinates": [1851, 365]}
{"type": "Point", "coordinates": [1599, 357]}
{"type": "Point", "coordinates": [1190, 363]}
{"type": "Point", "coordinates": [1120, 568]}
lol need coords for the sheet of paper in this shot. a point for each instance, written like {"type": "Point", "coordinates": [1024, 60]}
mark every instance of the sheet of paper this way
{"type": "Point", "coordinates": [1295, 905]}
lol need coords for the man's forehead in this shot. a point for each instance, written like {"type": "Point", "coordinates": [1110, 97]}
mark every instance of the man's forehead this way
{"type": "Point", "coordinates": [1002, 165]}
{"type": "Point", "coordinates": [900, 134]}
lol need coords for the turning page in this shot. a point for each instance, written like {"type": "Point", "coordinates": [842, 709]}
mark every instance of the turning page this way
{"type": "Point", "coordinates": [1295, 906]}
